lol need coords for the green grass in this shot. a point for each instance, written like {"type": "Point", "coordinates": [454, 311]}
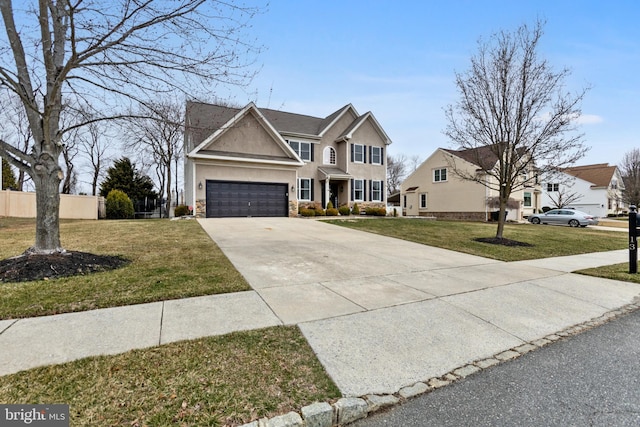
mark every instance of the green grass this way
{"type": "Point", "coordinates": [169, 259]}
{"type": "Point", "coordinates": [226, 380]}
{"type": "Point", "coordinates": [546, 241]}
{"type": "Point", "coordinates": [218, 381]}
{"type": "Point", "coordinates": [614, 272]}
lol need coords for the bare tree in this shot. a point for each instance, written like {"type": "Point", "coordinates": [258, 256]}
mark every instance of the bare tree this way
{"type": "Point", "coordinates": [177, 162]}
{"type": "Point", "coordinates": [16, 129]}
{"type": "Point", "coordinates": [94, 149]}
{"type": "Point", "coordinates": [69, 152]}
{"type": "Point", "coordinates": [69, 142]}
{"type": "Point", "coordinates": [513, 116]}
{"type": "Point", "coordinates": [563, 197]}
{"type": "Point", "coordinates": [630, 171]}
{"type": "Point", "coordinates": [413, 162]}
{"type": "Point", "coordinates": [396, 172]}
{"type": "Point", "coordinates": [157, 133]}
{"type": "Point", "coordinates": [560, 189]}
{"type": "Point", "coordinates": [107, 55]}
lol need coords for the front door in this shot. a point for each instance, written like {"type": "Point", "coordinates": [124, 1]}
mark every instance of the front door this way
{"type": "Point", "coordinates": [333, 194]}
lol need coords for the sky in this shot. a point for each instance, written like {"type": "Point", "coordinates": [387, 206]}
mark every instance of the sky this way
{"type": "Point", "coordinates": [398, 59]}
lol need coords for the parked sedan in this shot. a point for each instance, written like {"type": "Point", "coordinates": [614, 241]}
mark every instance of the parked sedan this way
{"type": "Point", "coordinates": [569, 217]}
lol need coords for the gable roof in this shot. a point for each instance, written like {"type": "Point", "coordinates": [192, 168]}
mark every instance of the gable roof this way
{"type": "Point", "coordinates": [599, 174]}
{"type": "Point", "coordinates": [334, 117]}
{"type": "Point", "coordinates": [355, 125]}
{"type": "Point", "coordinates": [205, 119]}
{"type": "Point", "coordinates": [483, 157]}
{"type": "Point", "coordinates": [218, 118]}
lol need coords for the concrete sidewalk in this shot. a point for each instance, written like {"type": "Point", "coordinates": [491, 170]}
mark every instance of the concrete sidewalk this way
{"type": "Point", "coordinates": [380, 313]}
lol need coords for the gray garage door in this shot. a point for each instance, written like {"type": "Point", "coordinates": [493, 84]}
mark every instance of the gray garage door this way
{"type": "Point", "coordinates": [242, 199]}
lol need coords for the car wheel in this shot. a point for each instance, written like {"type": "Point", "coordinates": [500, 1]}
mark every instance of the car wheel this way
{"type": "Point", "coordinates": [535, 220]}
{"type": "Point", "coordinates": [574, 223]}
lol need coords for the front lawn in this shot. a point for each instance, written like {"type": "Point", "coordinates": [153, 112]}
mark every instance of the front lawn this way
{"type": "Point", "coordinates": [547, 241]}
{"type": "Point", "coordinates": [218, 381]}
{"type": "Point", "coordinates": [614, 272]}
{"type": "Point", "coordinates": [169, 259]}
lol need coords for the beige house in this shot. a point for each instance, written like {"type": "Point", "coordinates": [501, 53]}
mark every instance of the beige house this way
{"type": "Point", "coordinates": [433, 189]}
{"type": "Point", "coordinates": [259, 162]}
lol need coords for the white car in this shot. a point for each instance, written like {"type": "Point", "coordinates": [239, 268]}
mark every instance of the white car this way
{"type": "Point", "coordinates": [569, 217]}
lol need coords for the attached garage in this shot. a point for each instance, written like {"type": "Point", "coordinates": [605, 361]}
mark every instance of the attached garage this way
{"type": "Point", "coordinates": [245, 199]}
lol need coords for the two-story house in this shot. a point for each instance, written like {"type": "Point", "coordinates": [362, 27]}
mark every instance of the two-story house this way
{"type": "Point", "coordinates": [254, 161]}
{"type": "Point", "coordinates": [433, 189]}
{"type": "Point", "coordinates": [595, 189]}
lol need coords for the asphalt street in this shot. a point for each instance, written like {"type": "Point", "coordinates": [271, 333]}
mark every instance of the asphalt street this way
{"type": "Point", "coordinates": [590, 379]}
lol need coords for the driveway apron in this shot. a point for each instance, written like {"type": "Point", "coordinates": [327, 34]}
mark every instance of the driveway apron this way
{"type": "Point", "coordinates": [383, 313]}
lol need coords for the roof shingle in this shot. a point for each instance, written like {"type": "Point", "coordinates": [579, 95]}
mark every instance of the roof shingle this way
{"type": "Point", "coordinates": [204, 119]}
{"type": "Point", "coordinates": [599, 174]}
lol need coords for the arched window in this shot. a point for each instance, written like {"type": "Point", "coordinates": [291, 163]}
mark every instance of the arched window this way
{"type": "Point", "coordinates": [329, 156]}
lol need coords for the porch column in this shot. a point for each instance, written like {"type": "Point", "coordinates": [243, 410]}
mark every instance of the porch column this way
{"type": "Point", "coordinates": [327, 191]}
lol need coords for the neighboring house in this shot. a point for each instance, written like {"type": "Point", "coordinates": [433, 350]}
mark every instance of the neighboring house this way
{"type": "Point", "coordinates": [434, 190]}
{"type": "Point", "coordinates": [259, 162]}
{"type": "Point", "coordinates": [594, 189]}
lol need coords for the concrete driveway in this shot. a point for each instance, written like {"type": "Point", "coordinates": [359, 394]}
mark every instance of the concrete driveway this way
{"type": "Point", "coordinates": [383, 313]}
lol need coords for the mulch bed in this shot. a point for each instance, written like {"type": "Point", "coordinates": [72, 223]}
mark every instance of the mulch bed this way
{"type": "Point", "coordinates": [504, 242]}
{"type": "Point", "coordinates": [38, 267]}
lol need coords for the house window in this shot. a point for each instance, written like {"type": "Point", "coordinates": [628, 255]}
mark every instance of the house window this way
{"type": "Point", "coordinates": [439, 175]}
{"type": "Point", "coordinates": [423, 200]}
{"type": "Point", "coordinates": [302, 149]}
{"type": "Point", "coordinates": [553, 187]}
{"type": "Point", "coordinates": [358, 153]}
{"type": "Point", "coordinates": [376, 191]}
{"type": "Point", "coordinates": [614, 184]}
{"type": "Point", "coordinates": [304, 189]}
{"type": "Point", "coordinates": [358, 189]}
{"type": "Point", "coordinates": [376, 155]}
{"type": "Point", "coordinates": [527, 199]}
{"type": "Point", "coordinates": [329, 156]}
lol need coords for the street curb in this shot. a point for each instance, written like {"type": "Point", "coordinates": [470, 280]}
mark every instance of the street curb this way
{"type": "Point", "coordinates": [349, 409]}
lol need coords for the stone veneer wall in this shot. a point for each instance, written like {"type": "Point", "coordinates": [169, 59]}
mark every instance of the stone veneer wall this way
{"type": "Point", "coordinates": [201, 208]}
{"type": "Point", "coordinates": [293, 208]}
{"type": "Point", "coordinates": [466, 216]}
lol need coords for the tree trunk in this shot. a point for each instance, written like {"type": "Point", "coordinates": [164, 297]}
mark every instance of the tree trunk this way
{"type": "Point", "coordinates": [168, 188]}
{"type": "Point", "coordinates": [501, 215]}
{"type": "Point", "coordinates": [21, 179]}
{"type": "Point", "coordinates": [47, 175]}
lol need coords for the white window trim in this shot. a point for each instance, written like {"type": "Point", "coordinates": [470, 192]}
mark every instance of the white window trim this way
{"type": "Point", "coordinates": [299, 150]}
{"type": "Point", "coordinates": [379, 149]}
{"type": "Point", "coordinates": [446, 172]}
{"type": "Point", "coordinates": [300, 189]}
{"type": "Point", "coordinates": [524, 199]}
{"type": "Point", "coordinates": [379, 191]}
{"type": "Point", "coordinates": [355, 190]}
{"type": "Point", "coordinates": [425, 200]}
{"type": "Point", "coordinates": [326, 156]}
{"type": "Point", "coordinates": [355, 159]}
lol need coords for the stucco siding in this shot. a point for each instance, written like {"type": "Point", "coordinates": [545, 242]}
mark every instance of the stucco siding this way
{"type": "Point", "coordinates": [455, 197]}
{"type": "Point", "coordinates": [452, 195]}
{"type": "Point", "coordinates": [247, 136]}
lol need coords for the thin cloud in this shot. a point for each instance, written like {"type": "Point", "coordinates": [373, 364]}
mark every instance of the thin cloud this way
{"type": "Point", "coordinates": [589, 119]}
